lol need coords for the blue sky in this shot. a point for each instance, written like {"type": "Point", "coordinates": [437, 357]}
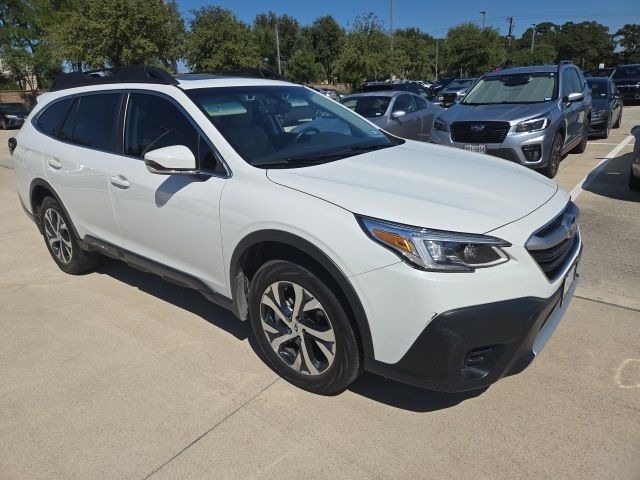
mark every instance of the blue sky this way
{"type": "Point", "coordinates": [435, 17]}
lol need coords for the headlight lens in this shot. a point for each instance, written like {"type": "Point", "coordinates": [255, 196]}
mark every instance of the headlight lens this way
{"type": "Point", "coordinates": [533, 124]}
{"type": "Point", "coordinates": [437, 250]}
{"type": "Point", "coordinates": [438, 124]}
{"type": "Point", "coordinates": [599, 113]}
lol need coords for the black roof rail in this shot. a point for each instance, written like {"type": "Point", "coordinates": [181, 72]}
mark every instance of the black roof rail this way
{"type": "Point", "coordinates": [259, 72]}
{"type": "Point", "coordinates": [137, 74]}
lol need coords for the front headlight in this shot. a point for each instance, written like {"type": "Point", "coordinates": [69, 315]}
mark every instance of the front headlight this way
{"type": "Point", "coordinates": [599, 113]}
{"type": "Point", "coordinates": [438, 124]}
{"type": "Point", "coordinates": [533, 124]}
{"type": "Point", "coordinates": [436, 250]}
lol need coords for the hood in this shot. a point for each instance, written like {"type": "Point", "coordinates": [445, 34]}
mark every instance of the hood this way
{"type": "Point", "coordinates": [599, 103]}
{"type": "Point", "coordinates": [425, 185]}
{"type": "Point", "coordinates": [504, 112]}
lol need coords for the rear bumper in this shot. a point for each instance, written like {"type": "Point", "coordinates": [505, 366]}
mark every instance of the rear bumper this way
{"type": "Point", "coordinates": [472, 347]}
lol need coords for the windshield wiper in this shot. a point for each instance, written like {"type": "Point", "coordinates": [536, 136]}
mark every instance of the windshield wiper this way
{"type": "Point", "coordinates": [321, 158]}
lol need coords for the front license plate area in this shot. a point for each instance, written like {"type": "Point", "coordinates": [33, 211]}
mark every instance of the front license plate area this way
{"type": "Point", "coordinates": [569, 279]}
{"type": "Point", "coordinates": [476, 148]}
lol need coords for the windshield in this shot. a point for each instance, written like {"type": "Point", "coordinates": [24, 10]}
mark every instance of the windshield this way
{"type": "Point", "coordinates": [460, 83]}
{"type": "Point", "coordinates": [368, 106]}
{"type": "Point", "coordinates": [514, 88]}
{"type": "Point", "coordinates": [13, 108]}
{"type": "Point", "coordinates": [598, 88]}
{"type": "Point", "coordinates": [627, 72]}
{"type": "Point", "coordinates": [287, 126]}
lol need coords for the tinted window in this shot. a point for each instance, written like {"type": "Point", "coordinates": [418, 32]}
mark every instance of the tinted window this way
{"type": "Point", "coordinates": [66, 131]}
{"type": "Point", "coordinates": [207, 159]}
{"type": "Point", "coordinates": [598, 87]}
{"type": "Point", "coordinates": [404, 102]}
{"type": "Point", "coordinates": [420, 102]}
{"type": "Point", "coordinates": [367, 106]}
{"type": "Point", "coordinates": [153, 122]}
{"type": "Point", "coordinates": [96, 121]}
{"type": "Point", "coordinates": [567, 83]}
{"type": "Point", "coordinates": [50, 120]}
{"type": "Point", "coordinates": [575, 81]}
{"type": "Point", "coordinates": [632, 71]}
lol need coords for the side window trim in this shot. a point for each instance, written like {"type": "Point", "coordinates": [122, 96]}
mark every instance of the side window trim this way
{"type": "Point", "coordinates": [186, 114]}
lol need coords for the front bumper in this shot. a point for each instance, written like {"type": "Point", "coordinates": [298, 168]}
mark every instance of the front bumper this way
{"type": "Point", "coordinates": [510, 149]}
{"type": "Point", "coordinates": [471, 348]}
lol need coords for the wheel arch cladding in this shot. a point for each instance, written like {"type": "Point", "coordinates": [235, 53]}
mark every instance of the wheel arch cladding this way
{"type": "Point", "coordinates": [264, 245]}
{"type": "Point", "coordinates": [40, 189]}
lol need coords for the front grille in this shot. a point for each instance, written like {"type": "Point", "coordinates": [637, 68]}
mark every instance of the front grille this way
{"type": "Point", "coordinates": [552, 246]}
{"type": "Point", "coordinates": [479, 132]}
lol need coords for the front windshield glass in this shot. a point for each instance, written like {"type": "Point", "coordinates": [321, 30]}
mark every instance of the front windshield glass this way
{"type": "Point", "coordinates": [627, 72]}
{"type": "Point", "coordinates": [287, 126]}
{"type": "Point", "coordinates": [460, 84]}
{"type": "Point", "coordinates": [514, 88]}
{"type": "Point", "coordinates": [598, 88]}
{"type": "Point", "coordinates": [369, 106]}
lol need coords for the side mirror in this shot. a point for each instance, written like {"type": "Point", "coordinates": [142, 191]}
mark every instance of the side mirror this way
{"type": "Point", "coordinates": [398, 113]}
{"type": "Point", "coordinates": [574, 97]}
{"type": "Point", "coordinates": [173, 160]}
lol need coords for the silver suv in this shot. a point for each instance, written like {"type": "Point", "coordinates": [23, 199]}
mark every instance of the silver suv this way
{"type": "Point", "coordinates": [529, 115]}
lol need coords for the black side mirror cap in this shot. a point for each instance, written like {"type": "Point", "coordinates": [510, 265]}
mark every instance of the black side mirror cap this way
{"type": "Point", "coordinates": [13, 143]}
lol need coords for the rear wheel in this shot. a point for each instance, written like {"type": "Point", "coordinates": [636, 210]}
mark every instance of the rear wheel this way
{"type": "Point", "coordinates": [607, 128]}
{"type": "Point", "coordinates": [634, 182]}
{"type": "Point", "coordinates": [61, 240]}
{"type": "Point", "coordinates": [302, 328]}
{"type": "Point", "coordinates": [555, 155]}
{"type": "Point", "coordinates": [618, 120]}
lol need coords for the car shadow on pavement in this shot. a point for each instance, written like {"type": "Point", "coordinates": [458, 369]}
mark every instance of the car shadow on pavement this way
{"type": "Point", "coordinates": [613, 180]}
{"type": "Point", "coordinates": [185, 298]}
{"type": "Point", "coordinates": [407, 397]}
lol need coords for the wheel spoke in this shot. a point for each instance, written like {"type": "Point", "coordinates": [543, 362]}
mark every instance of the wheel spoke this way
{"type": "Point", "coordinates": [298, 292]}
{"type": "Point", "coordinates": [297, 363]}
{"type": "Point", "coordinates": [53, 240]}
{"type": "Point", "coordinates": [269, 328]}
{"type": "Point", "coordinates": [327, 353]}
{"type": "Point", "coordinates": [326, 335]}
{"type": "Point", "coordinates": [276, 309]}
{"type": "Point", "coordinates": [312, 304]}
{"type": "Point", "coordinates": [311, 368]}
{"type": "Point", "coordinates": [277, 342]}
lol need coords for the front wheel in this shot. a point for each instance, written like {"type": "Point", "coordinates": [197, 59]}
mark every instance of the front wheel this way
{"type": "Point", "coordinates": [302, 328]}
{"type": "Point", "coordinates": [555, 155]}
{"type": "Point", "coordinates": [619, 120]}
{"type": "Point", "coordinates": [582, 146]}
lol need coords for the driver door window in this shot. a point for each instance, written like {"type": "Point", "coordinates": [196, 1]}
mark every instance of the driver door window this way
{"type": "Point", "coordinates": [406, 103]}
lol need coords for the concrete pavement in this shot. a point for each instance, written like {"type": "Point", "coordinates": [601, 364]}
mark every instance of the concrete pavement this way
{"type": "Point", "coordinates": [118, 374]}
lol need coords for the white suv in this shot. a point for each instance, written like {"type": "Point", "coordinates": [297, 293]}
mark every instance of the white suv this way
{"type": "Point", "coordinates": [347, 249]}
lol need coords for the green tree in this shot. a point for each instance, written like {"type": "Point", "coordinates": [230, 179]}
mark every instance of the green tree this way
{"type": "Point", "coordinates": [303, 67]}
{"type": "Point", "coordinates": [417, 52]}
{"type": "Point", "coordinates": [114, 33]}
{"type": "Point", "coordinates": [366, 52]}
{"type": "Point", "coordinates": [219, 40]}
{"type": "Point", "coordinates": [327, 39]}
{"type": "Point", "coordinates": [24, 50]}
{"type": "Point", "coordinates": [629, 40]}
{"type": "Point", "coordinates": [264, 33]}
{"type": "Point", "coordinates": [586, 44]}
{"type": "Point", "coordinates": [474, 51]}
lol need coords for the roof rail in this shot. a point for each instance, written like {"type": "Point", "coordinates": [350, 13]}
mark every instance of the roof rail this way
{"type": "Point", "coordinates": [259, 72]}
{"type": "Point", "coordinates": [137, 74]}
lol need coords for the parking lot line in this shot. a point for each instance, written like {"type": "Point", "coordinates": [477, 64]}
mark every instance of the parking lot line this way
{"type": "Point", "coordinates": [584, 183]}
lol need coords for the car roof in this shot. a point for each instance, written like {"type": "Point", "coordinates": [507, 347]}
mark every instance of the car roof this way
{"type": "Point", "coordinates": [530, 69]}
{"type": "Point", "coordinates": [190, 81]}
{"type": "Point", "coordinates": [379, 93]}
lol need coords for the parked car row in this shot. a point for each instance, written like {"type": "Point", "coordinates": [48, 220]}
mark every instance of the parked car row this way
{"type": "Point", "coordinates": [12, 115]}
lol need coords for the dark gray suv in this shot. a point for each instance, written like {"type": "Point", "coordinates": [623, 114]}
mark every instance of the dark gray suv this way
{"type": "Point", "coordinates": [529, 115]}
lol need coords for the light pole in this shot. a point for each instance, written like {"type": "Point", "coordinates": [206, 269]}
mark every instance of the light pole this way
{"type": "Point", "coordinates": [437, 43]}
{"type": "Point", "coordinates": [278, 48]}
{"type": "Point", "coordinates": [484, 14]}
{"type": "Point", "coordinates": [533, 35]}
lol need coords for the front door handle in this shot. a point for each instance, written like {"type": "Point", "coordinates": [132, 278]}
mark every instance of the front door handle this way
{"type": "Point", "coordinates": [54, 163]}
{"type": "Point", "coordinates": [120, 181]}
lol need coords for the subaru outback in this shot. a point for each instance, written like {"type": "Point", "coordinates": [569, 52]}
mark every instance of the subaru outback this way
{"type": "Point", "coordinates": [528, 115]}
{"type": "Point", "coordinates": [346, 248]}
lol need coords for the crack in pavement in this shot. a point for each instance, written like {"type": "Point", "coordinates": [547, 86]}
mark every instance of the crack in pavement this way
{"type": "Point", "coordinates": [607, 303]}
{"type": "Point", "coordinates": [229, 415]}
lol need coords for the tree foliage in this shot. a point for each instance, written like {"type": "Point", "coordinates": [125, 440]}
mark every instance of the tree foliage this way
{"type": "Point", "coordinates": [473, 51]}
{"type": "Point", "coordinates": [326, 41]}
{"type": "Point", "coordinates": [629, 41]}
{"type": "Point", "coordinates": [264, 33]}
{"type": "Point", "coordinates": [113, 33]}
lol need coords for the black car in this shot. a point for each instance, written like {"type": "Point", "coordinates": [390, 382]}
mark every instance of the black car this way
{"type": "Point", "coordinates": [627, 78]}
{"type": "Point", "coordinates": [12, 115]}
{"type": "Point", "coordinates": [599, 72]}
{"type": "Point", "coordinates": [606, 106]}
{"type": "Point", "coordinates": [441, 83]}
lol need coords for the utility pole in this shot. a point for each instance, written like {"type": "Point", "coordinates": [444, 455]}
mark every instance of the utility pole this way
{"type": "Point", "coordinates": [437, 43]}
{"type": "Point", "coordinates": [484, 14]}
{"type": "Point", "coordinates": [391, 22]}
{"type": "Point", "coordinates": [533, 36]}
{"type": "Point", "coordinates": [510, 34]}
{"type": "Point", "coordinates": [278, 48]}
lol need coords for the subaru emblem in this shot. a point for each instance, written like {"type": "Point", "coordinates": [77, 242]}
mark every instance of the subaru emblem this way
{"type": "Point", "coordinates": [477, 127]}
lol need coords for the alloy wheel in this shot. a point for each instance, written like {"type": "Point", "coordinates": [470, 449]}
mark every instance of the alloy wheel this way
{"type": "Point", "coordinates": [58, 235]}
{"type": "Point", "coordinates": [556, 153]}
{"type": "Point", "coordinates": [298, 328]}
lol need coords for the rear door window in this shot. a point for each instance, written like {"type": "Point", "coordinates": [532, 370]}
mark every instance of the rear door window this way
{"type": "Point", "coordinates": [96, 120]}
{"type": "Point", "coordinates": [404, 102]}
{"type": "Point", "coordinates": [50, 120]}
{"type": "Point", "coordinates": [421, 103]}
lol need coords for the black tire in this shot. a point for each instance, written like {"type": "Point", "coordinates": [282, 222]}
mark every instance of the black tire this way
{"type": "Point", "coordinates": [634, 182]}
{"type": "Point", "coordinates": [607, 128]}
{"type": "Point", "coordinates": [618, 121]}
{"type": "Point", "coordinates": [326, 375]}
{"type": "Point", "coordinates": [582, 146]}
{"type": "Point", "coordinates": [61, 240]}
{"type": "Point", "coordinates": [555, 155]}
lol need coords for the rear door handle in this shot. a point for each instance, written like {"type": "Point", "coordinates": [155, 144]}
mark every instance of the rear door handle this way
{"type": "Point", "coordinates": [120, 181]}
{"type": "Point", "coordinates": [54, 163]}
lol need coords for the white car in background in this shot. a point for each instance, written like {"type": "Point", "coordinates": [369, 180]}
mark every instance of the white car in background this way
{"type": "Point", "coordinates": [348, 249]}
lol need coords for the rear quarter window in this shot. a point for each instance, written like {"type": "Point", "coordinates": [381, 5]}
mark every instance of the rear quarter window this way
{"type": "Point", "coordinates": [50, 120]}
